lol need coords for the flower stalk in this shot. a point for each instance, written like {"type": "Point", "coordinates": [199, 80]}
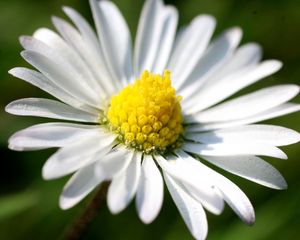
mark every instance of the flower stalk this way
{"type": "Point", "coordinates": [79, 227]}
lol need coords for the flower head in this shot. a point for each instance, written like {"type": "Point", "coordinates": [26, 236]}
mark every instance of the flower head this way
{"type": "Point", "coordinates": [152, 113]}
{"type": "Point", "coordinates": [147, 114]}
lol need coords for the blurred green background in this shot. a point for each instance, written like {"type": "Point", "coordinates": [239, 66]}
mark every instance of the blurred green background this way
{"type": "Point", "coordinates": [29, 206]}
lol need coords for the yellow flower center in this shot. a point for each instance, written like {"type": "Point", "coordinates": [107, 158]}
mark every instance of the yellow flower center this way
{"type": "Point", "coordinates": [147, 114]}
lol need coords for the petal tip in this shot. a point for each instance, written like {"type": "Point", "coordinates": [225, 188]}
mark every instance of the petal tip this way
{"type": "Point", "coordinates": [283, 185]}
{"type": "Point", "coordinates": [67, 9]}
{"type": "Point", "coordinates": [16, 71]}
{"type": "Point", "coordinates": [7, 108]}
{"type": "Point", "coordinates": [55, 19]}
{"type": "Point", "coordinates": [45, 172]}
{"type": "Point", "coordinates": [22, 39]}
{"type": "Point", "coordinates": [250, 218]}
{"type": "Point", "coordinates": [276, 64]}
{"type": "Point", "coordinates": [251, 221]}
{"type": "Point", "coordinates": [25, 54]}
{"type": "Point", "coordinates": [14, 147]}
{"type": "Point", "coordinates": [235, 30]}
{"type": "Point", "coordinates": [65, 204]}
{"type": "Point", "coordinates": [12, 71]}
{"type": "Point", "coordinates": [112, 208]}
{"type": "Point", "coordinates": [25, 41]}
{"type": "Point", "coordinates": [145, 219]}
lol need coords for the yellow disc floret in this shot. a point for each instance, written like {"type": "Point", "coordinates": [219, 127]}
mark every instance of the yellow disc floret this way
{"type": "Point", "coordinates": [147, 114]}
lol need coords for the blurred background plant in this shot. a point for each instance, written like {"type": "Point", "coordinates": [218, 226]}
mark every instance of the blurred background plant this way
{"type": "Point", "coordinates": [29, 205]}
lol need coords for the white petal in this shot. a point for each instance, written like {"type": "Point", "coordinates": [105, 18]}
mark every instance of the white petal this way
{"type": "Point", "coordinates": [94, 55]}
{"type": "Point", "coordinates": [39, 80]}
{"type": "Point", "coordinates": [124, 186]}
{"type": "Point", "coordinates": [281, 110]}
{"type": "Point", "coordinates": [191, 47]}
{"type": "Point", "coordinates": [80, 154]}
{"type": "Point", "coordinates": [41, 107]}
{"type": "Point", "coordinates": [52, 46]}
{"type": "Point", "coordinates": [87, 32]}
{"type": "Point", "coordinates": [62, 76]}
{"type": "Point", "coordinates": [196, 185]}
{"type": "Point", "coordinates": [191, 211]}
{"type": "Point", "coordinates": [169, 22]}
{"type": "Point", "coordinates": [226, 86]}
{"type": "Point", "coordinates": [86, 179]}
{"type": "Point", "coordinates": [58, 48]}
{"type": "Point", "coordinates": [266, 134]}
{"type": "Point", "coordinates": [148, 35]}
{"type": "Point", "coordinates": [150, 191]}
{"type": "Point", "coordinates": [251, 168]}
{"type": "Point", "coordinates": [113, 163]}
{"type": "Point", "coordinates": [231, 149]}
{"type": "Point", "coordinates": [214, 58]}
{"type": "Point", "coordinates": [245, 56]}
{"type": "Point", "coordinates": [235, 198]}
{"type": "Point", "coordinates": [115, 39]}
{"type": "Point", "coordinates": [247, 105]}
{"type": "Point", "coordinates": [49, 135]}
{"type": "Point", "coordinates": [101, 82]}
{"type": "Point", "coordinates": [79, 186]}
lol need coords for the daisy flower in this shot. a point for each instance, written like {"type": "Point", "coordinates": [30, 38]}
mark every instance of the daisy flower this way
{"type": "Point", "coordinates": [154, 112]}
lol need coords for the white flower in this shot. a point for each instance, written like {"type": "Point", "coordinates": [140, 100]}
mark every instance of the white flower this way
{"type": "Point", "coordinates": [148, 129]}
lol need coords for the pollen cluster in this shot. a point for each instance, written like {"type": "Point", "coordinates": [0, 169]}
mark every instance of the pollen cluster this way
{"type": "Point", "coordinates": [147, 114]}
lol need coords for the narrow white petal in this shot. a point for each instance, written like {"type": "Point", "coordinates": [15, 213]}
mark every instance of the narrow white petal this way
{"type": "Point", "coordinates": [191, 211]}
{"type": "Point", "coordinates": [94, 55]}
{"type": "Point", "coordinates": [281, 110]}
{"type": "Point", "coordinates": [49, 135]}
{"type": "Point", "coordinates": [86, 30]}
{"type": "Point", "coordinates": [231, 149]}
{"type": "Point", "coordinates": [167, 37]}
{"type": "Point", "coordinates": [87, 178]}
{"type": "Point", "coordinates": [52, 46]}
{"type": "Point", "coordinates": [80, 154]}
{"type": "Point", "coordinates": [234, 197]}
{"type": "Point", "coordinates": [77, 43]}
{"type": "Point", "coordinates": [115, 39]}
{"type": "Point", "coordinates": [39, 80]}
{"type": "Point", "coordinates": [148, 35]}
{"type": "Point", "coordinates": [124, 186]}
{"type": "Point", "coordinates": [247, 105]}
{"type": "Point", "coordinates": [150, 191]}
{"type": "Point", "coordinates": [41, 107]}
{"type": "Point", "coordinates": [113, 163]}
{"type": "Point", "coordinates": [62, 76]}
{"type": "Point", "coordinates": [251, 168]}
{"type": "Point", "coordinates": [191, 47]}
{"type": "Point", "coordinates": [248, 55]}
{"type": "Point", "coordinates": [217, 54]}
{"type": "Point", "coordinates": [237, 200]}
{"type": "Point", "coordinates": [196, 185]}
{"type": "Point", "coordinates": [265, 134]}
{"type": "Point", "coordinates": [58, 48]}
{"type": "Point", "coordinates": [79, 186]}
{"type": "Point", "coordinates": [226, 86]}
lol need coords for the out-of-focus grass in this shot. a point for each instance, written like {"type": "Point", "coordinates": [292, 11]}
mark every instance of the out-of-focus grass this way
{"type": "Point", "coordinates": [12, 205]}
{"type": "Point", "coordinates": [29, 205]}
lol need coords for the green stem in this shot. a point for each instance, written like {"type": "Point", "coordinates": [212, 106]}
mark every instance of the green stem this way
{"type": "Point", "coordinates": [81, 224]}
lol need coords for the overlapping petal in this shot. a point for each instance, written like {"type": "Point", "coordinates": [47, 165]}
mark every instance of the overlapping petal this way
{"type": "Point", "coordinates": [84, 70]}
{"type": "Point", "coordinates": [41, 107]}
{"type": "Point", "coordinates": [150, 191]}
